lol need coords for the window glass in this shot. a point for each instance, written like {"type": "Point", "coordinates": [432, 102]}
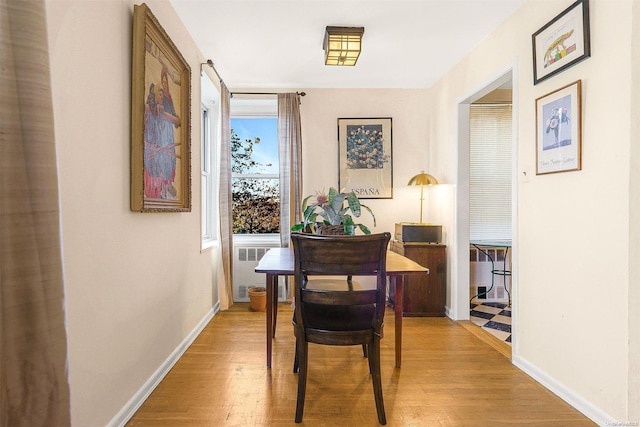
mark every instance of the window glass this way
{"type": "Point", "coordinates": [255, 180]}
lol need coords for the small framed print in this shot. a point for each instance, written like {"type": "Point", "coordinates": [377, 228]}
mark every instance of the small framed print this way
{"type": "Point", "coordinates": [365, 159]}
{"type": "Point", "coordinates": [562, 42]}
{"type": "Point", "coordinates": [558, 130]}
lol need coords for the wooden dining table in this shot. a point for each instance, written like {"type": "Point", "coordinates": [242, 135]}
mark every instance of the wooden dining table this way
{"type": "Point", "coordinates": [280, 262]}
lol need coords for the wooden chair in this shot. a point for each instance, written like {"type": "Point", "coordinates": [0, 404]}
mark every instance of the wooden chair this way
{"type": "Point", "coordinates": [332, 312]}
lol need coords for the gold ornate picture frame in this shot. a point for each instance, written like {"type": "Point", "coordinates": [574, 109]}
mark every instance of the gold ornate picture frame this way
{"type": "Point", "coordinates": [160, 119]}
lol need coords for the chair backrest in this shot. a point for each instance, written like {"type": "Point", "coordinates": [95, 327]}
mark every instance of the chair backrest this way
{"type": "Point", "coordinates": [317, 255]}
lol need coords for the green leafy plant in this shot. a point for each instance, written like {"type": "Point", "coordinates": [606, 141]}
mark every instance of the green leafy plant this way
{"type": "Point", "coordinates": [330, 209]}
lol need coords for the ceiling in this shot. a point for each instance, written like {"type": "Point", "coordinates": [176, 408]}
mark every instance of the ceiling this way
{"type": "Point", "coordinates": [277, 44]}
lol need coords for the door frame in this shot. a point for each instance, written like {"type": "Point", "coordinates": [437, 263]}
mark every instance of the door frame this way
{"type": "Point", "coordinates": [460, 295]}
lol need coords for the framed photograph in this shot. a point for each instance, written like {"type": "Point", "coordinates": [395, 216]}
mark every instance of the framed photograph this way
{"type": "Point", "coordinates": [365, 159]}
{"type": "Point", "coordinates": [558, 130]}
{"type": "Point", "coordinates": [561, 43]}
{"type": "Point", "coordinates": [160, 120]}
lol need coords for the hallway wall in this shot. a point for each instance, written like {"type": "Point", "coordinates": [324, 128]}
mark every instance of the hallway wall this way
{"type": "Point", "coordinates": [571, 315]}
{"type": "Point", "coordinates": [136, 284]}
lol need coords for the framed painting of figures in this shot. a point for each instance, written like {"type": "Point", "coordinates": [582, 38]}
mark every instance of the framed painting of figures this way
{"type": "Point", "coordinates": [160, 120]}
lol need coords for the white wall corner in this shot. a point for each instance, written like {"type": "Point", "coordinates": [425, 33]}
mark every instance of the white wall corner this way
{"type": "Point", "coordinates": [147, 388]}
{"type": "Point", "coordinates": [587, 408]}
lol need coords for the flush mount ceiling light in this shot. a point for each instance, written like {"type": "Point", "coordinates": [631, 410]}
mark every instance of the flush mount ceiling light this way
{"type": "Point", "coordinates": [342, 45]}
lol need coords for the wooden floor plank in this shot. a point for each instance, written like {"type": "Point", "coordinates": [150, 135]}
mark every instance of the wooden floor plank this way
{"type": "Point", "coordinates": [449, 377]}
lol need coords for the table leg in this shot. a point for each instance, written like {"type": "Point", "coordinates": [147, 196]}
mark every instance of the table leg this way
{"type": "Point", "coordinates": [272, 282]}
{"type": "Point", "coordinates": [398, 283]}
{"type": "Point", "coordinates": [275, 305]}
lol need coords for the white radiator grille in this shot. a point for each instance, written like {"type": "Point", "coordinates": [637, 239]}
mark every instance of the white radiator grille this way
{"type": "Point", "coordinates": [251, 254]}
{"type": "Point", "coordinates": [245, 260]}
{"type": "Point", "coordinates": [480, 274]}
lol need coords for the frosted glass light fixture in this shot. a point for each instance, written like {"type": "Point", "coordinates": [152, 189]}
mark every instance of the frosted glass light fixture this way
{"type": "Point", "coordinates": [422, 179]}
{"type": "Point", "coordinates": [342, 45]}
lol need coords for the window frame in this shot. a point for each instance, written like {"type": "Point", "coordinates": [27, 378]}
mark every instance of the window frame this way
{"type": "Point", "coordinates": [256, 107]}
{"type": "Point", "coordinates": [210, 155]}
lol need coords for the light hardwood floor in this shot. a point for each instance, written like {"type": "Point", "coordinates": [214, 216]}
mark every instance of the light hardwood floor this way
{"type": "Point", "coordinates": [449, 377]}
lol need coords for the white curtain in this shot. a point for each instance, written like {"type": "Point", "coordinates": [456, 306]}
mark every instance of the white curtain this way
{"type": "Point", "coordinates": [225, 198]}
{"type": "Point", "coordinates": [33, 343]}
{"type": "Point", "coordinates": [290, 153]}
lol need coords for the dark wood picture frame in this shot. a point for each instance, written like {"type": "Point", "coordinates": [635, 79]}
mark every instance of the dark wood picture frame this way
{"type": "Point", "coordinates": [562, 42]}
{"type": "Point", "coordinates": [160, 119]}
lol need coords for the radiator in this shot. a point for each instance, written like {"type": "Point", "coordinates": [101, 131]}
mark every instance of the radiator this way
{"type": "Point", "coordinates": [480, 274]}
{"type": "Point", "coordinates": [245, 260]}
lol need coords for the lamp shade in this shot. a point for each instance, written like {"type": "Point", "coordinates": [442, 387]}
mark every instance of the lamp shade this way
{"type": "Point", "coordinates": [423, 179]}
{"type": "Point", "coordinates": [342, 45]}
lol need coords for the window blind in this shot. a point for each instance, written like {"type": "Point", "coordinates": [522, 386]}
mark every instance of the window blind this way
{"type": "Point", "coordinates": [490, 172]}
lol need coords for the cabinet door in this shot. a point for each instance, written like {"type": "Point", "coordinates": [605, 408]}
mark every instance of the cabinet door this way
{"type": "Point", "coordinates": [426, 295]}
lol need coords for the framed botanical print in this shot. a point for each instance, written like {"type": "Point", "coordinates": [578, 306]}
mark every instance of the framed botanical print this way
{"type": "Point", "coordinates": [558, 130]}
{"type": "Point", "coordinates": [160, 120]}
{"type": "Point", "coordinates": [365, 157]}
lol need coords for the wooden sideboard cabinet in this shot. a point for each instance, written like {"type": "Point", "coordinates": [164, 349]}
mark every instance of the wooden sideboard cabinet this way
{"type": "Point", "coordinates": [423, 295]}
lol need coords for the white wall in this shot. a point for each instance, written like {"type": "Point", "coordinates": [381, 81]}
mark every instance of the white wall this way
{"type": "Point", "coordinates": [320, 110]}
{"type": "Point", "coordinates": [571, 306]}
{"type": "Point", "coordinates": [633, 374]}
{"type": "Point", "coordinates": [136, 284]}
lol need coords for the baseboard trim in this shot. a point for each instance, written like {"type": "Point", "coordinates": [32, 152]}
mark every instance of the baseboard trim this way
{"type": "Point", "coordinates": [141, 395]}
{"type": "Point", "coordinates": [588, 409]}
{"type": "Point", "coordinates": [491, 340]}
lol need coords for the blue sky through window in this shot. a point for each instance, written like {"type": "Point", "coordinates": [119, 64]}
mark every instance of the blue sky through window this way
{"type": "Point", "coordinates": [266, 152]}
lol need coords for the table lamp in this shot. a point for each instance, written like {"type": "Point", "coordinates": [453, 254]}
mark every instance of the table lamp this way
{"type": "Point", "coordinates": [422, 179]}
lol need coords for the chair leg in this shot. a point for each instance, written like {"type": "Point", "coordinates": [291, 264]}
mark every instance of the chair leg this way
{"type": "Point", "coordinates": [303, 354]}
{"type": "Point", "coordinates": [365, 352]}
{"type": "Point", "coordinates": [295, 358]}
{"type": "Point", "coordinates": [374, 364]}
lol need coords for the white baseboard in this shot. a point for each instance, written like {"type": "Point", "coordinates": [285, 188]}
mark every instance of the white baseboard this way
{"type": "Point", "coordinates": [141, 395]}
{"type": "Point", "coordinates": [588, 409]}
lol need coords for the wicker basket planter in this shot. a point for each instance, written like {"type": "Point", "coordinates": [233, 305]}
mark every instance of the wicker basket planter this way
{"type": "Point", "coordinates": [330, 230]}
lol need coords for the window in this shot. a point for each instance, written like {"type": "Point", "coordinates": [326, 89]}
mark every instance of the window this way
{"type": "Point", "coordinates": [210, 118]}
{"type": "Point", "coordinates": [254, 166]}
{"type": "Point", "coordinates": [490, 172]}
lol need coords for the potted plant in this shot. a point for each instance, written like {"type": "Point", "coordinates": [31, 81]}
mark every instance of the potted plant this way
{"type": "Point", "coordinates": [327, 213]}
{"type": "Point", "coordinates": [258, 298]}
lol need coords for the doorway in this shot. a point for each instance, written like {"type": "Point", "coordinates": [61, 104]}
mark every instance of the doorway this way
{"type": "Point", "coordinates": [462, 292]}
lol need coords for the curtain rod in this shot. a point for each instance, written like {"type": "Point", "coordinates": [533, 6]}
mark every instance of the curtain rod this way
{"type": "Point", "coordinates": [210, 64]}
{"type": "Point", "coordinates": [263, 93]}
